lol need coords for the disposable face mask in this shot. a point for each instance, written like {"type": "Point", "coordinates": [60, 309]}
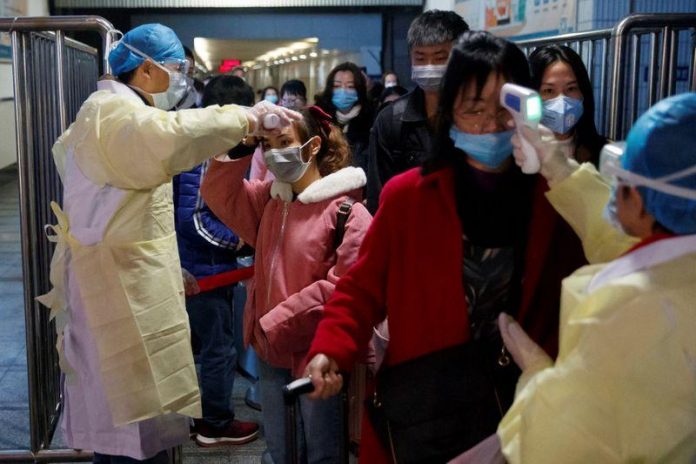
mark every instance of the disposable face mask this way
{"type": "Point", "coordinates": [389, 84]}
{"type": "Point", "coordinates": [175, 92]}
{"type": "Point", "coordinates": [488, 149]}
{"type": "Point", "coordinates": [429, 76]}
{"type": "Point", "coordinates": [286, 164]}
{"type": "Point", "coordinates": [189, 100]}
{"type": "Point", "coordinates": [344, 99]}
{"type": "Point", "coordinates": [271, 98]}
{"type": "Point", "coordinates": [562, 113]}
{"type": "Point", "coordinates": [610, 168]}
{"type": "Point", "coordinates": [177, 83]}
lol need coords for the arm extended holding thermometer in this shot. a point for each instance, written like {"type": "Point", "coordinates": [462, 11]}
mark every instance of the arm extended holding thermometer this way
{"type": "Point", "coordinates": [525, 107]}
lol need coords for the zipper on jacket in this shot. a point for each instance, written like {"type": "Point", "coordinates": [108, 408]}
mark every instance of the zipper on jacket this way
{"type": "Point", "coordinates": [391, 443]}
{"type": "Point", "coordinates": [276, 249]}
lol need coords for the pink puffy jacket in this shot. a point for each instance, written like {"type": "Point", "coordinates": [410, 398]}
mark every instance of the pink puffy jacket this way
{"type": "Point", "coordinates": [296, 266]}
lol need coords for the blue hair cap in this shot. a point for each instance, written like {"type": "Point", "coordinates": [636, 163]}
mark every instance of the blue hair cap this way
{"type": "Point", "coordinates": [660, 143]}
{"type": "Point", "coordinates": [155, 40]}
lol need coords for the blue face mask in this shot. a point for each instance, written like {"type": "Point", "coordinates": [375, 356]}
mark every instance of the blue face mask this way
{"type": "Point", "coordinates": [562, 113]}
{"type": "Point", "coordinates": [344, 99]}
{"type": "Point", "coordinates": [488, 149]}
{"type": "Point", "coordinates": [271, 98]}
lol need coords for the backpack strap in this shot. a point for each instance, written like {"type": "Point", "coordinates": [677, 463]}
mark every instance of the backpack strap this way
{"type": "Point", "coordinates": [341, 219]}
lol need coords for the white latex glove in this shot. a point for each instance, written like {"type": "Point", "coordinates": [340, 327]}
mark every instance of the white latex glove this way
{"type": "Point", "coordinates": [529, 356]}
{"type": "Point", "coordinates": [257, 113]}
{"type": "Point", "coordinates": [555, 165]}
{"type": "Point", "coordinates": [190, 283]}
{"type": "Point", "coordinates": [325, 377]}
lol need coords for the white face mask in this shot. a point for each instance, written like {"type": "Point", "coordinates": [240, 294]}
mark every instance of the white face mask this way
{"type": "Point", "coordinates": [175, 92]}
{"type": "Point", "coordinates": [177, 84]}
{"type": "Point", "coordinates": [286, 164]}
{"type": "Point", "coordinates": [429, 76]}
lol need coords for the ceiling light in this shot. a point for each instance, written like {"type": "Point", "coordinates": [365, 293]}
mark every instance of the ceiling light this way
{"type": "Point", "coordinates": [294, 58]}
{"type": "Point", "coordinates": [303, 57]}
{"type": "Point", "coordinates": [313, 54]}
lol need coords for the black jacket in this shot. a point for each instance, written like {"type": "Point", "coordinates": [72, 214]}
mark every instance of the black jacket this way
{"type": "Point", "coordinates": [358, 132]}
{"type": "Point", "coordinates": [400, 140]}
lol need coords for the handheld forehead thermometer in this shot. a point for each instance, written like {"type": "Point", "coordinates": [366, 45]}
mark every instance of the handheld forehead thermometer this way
{"type": "Point", "coordinates": [525, 107]}
{"type": "Point", "coordinates": [271, 121]}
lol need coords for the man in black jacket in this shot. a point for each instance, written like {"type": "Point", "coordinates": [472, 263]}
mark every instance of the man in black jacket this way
{"type": "Point", "coordinates": [401, 136]}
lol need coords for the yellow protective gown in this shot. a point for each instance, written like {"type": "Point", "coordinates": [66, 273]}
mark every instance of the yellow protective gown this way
{"type": "Point", "coordinates": [122, 269]}
{"type": "Point", "coordinates": [623, 388]}
{"type": "Point", "coordinates": [580, 200]}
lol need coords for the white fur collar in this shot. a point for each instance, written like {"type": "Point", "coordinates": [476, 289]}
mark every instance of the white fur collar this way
{"type": "Point", "coordinates": [342, 181]}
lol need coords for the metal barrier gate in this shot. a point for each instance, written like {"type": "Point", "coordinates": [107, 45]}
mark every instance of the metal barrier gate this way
{"type": "Point", "coordinates": [52, 76]}
{"type": "Point", "coordinates": [644, 58]}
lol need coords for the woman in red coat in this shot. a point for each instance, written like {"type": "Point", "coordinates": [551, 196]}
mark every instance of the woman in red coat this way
{"type": "Point", "coordinates": [451, 246]}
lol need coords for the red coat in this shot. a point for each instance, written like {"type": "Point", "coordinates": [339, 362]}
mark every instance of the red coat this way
{"type": "Point", "coordinates": [410, 268]}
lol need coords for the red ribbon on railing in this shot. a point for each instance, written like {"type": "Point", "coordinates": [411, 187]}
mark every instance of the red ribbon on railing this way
{"type": "Point", "coordinates": [225, 278]}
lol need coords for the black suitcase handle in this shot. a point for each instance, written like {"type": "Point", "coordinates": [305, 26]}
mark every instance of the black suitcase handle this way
{"type": "Point", "coordinates": [291, 392]}
{"type": "Point", "coordinates": [296, 388]}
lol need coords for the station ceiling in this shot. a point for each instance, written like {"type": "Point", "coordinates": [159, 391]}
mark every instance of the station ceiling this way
{"type": "Point", "coordinates": [213, 51]}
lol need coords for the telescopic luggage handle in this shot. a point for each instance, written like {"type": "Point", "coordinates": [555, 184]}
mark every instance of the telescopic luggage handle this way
{"type": "Point", "coordinates": [296, 388]}
{"type": "Point", "coordinates": [291, 393]}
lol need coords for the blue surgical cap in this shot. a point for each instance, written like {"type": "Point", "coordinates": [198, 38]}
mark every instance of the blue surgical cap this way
{"type": "Point", "coordinates": [155, 40]}
{"type": "Point", "coordinates": [662, 142]}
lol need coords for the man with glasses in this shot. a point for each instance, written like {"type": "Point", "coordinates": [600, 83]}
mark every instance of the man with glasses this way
{"type": "Point", "coordinates": [118, 296]}
{"type": "Point", "coordinates": [293, 95]}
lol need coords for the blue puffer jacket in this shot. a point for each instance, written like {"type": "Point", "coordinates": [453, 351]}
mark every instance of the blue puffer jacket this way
{"type": "Point", "coordinates": [206, 245]}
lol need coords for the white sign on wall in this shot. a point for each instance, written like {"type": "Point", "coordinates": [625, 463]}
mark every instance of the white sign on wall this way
{"type": "Point", "coordinates": [520, 19]}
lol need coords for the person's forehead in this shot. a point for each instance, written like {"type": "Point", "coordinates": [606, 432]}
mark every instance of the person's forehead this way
{"type": "Point", "coordinates": [344, 76]}
{"type": "Point", "coordinates": [558, 72]}
{"type": "Point", "coordinates": [490, 90]}
{"type": "Point", "coordinates": [431, 49]}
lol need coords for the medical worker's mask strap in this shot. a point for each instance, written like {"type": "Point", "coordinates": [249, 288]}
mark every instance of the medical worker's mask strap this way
{"type": "Point", "coordinates": [610, 166]}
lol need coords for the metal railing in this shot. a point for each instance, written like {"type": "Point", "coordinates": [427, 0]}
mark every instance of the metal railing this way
{"type": "Point", "coordinates": [52, 76]}
{"type": "Point", "coordinates": [644, 58]}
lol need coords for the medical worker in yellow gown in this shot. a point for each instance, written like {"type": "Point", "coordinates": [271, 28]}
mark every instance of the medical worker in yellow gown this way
{"type": "Point", "coordinates": [117, 284]}
{"type": "Point", "coordinates": [623, 388]}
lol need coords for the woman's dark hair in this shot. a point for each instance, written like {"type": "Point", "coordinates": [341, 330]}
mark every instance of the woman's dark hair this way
{"type": "Point", "coordinates": [334, 153]}
{"type": "Point", "coordinates": [227, 89]}
{"type": "Point", "coordinates": [474, 57]}
{"type": "Point", "coordinates": [586, 129]}
{"type": "Point", "coordinates": [293, 87]}
{"type": "Point", "coordinates": [360, 86]}
{"type": "Point", "coordinates": [385, 74]}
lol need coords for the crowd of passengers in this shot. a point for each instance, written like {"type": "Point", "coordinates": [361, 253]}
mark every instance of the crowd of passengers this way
{"type": "Point", "coordinates": [382, 242]}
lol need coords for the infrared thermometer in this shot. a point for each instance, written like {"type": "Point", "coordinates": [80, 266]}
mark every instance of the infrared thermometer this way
{"type": "Point", "coordinates": [271, 121]}
{"type": "Point", "coordinates": [525, 107]}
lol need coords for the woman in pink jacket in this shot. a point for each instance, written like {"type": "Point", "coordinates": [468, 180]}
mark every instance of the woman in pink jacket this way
{"type": "Point", "coordinates": [292, 223]}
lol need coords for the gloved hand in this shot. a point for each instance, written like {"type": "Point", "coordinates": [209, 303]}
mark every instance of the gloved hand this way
{"type": "Point", "coordinates": [257, 113]}
{"type": "Point", "coordinates": [190, 283]}
{"type": "Point", "coordinates": [555, 165]}
{"type": "Point", "coordinates": [325, 377]}
{"type": "Point", "coordinates": [529, 356]}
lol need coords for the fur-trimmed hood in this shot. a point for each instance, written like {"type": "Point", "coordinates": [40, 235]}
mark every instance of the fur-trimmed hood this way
{"type": "Point", "coordinates": [337, 183]}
